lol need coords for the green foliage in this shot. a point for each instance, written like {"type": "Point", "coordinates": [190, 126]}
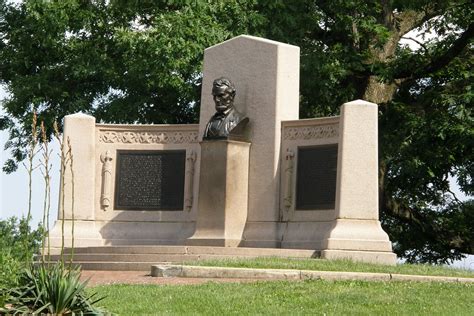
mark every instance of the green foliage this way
{"type": "Point", "coordinates": [9, 267]}
{"type": "Point", "coordinates": [427, 137]}
{"type": "Point", "coordinates": [123, 62]}
{"type": "Point", "coordinates": [140, 62]}
{"type": "Point", "coordinates": [18, 243]}
{"type": "Point", "coordinates": [53, 289]}
{"type": "Point", "coordinates": [292, 298]}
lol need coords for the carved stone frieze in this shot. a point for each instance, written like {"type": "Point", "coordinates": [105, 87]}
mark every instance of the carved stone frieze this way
{"type": "Point", "coordinates": [311, 132]}
{"type": "Point", "coordinates": [159, 137]}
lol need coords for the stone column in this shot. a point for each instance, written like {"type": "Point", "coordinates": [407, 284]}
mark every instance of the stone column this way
{"type": "Point", "coordinates": [79, 129]}
{"type": "Point", "coordinates": [223, 194]}
{"type": "Point", "coordinates": [266, 77]}
{"type": "Point", "coordinates": [356, 232]}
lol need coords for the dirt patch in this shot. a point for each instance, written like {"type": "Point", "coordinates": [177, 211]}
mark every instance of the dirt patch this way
{"type": "Point", "coordinates": [144, 277]}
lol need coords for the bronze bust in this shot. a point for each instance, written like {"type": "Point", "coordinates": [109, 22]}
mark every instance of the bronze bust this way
{"type": "Point", "coordinates": [227, 122]}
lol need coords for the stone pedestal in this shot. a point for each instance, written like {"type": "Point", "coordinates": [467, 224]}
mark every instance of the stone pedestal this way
{"type": "Point", "coordinates": [223, 193]}
{"type": "Point", "coordinates": [79, 129]}
{"type": "Point", "coordinates": [266, 76]}
{"type": "Point", "coordinates": [356, 232]}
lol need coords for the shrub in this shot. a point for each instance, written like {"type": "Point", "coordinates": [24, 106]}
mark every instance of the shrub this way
{"type": "Point", "coordinates": [16, 234]}
{"type": "Point", "coordinates": [18, 243]}
{"type": "Point", "coordinates": [53, 289]}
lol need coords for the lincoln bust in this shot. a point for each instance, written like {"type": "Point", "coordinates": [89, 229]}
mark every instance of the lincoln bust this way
{"type": "Point", "coordinates": [227, 122]}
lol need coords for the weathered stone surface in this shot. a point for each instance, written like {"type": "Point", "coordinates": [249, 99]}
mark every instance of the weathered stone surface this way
{"type": "Point", "coordinates": [166, 271]}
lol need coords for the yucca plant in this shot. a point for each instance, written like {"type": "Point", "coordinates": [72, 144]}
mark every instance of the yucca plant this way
{"type": "Point", "coordinates": [53, 290]}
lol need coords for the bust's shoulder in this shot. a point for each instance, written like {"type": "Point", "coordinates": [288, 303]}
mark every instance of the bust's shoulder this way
{"type": "Point", "coordinates": [235, 115]}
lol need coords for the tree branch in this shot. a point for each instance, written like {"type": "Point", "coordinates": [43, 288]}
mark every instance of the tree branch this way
{"type": "Point", "coordinates": [440, 61]}
{"type": "Point", "coordinates": [416, 41]}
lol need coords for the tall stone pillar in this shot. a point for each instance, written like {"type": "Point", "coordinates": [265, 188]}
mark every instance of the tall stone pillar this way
{"type": "Point", "coordinates": [356, 232]}
{"type": "Point", "coordinates": [78, 188]}
{"type": "Point", "coordinates": [266, 76]}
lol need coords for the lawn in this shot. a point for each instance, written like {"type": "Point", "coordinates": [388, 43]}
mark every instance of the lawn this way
{"type": "Point", "coordinates": [283, 297]}
{"type": "Point", "coordinates": [334, 265]}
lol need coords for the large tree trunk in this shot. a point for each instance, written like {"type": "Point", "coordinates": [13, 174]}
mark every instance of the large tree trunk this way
{"type": "Point", "coordinates": [379, 92]}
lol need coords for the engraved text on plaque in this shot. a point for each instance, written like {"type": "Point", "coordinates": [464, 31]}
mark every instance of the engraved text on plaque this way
{"type": "Point", "coordinates": [150, 180]}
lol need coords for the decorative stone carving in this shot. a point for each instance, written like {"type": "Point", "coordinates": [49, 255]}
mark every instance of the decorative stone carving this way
{"type": "Point", "coordinates": [190, 163]}
{"type": "Point", "coordinates": [289, 168]}
{"type": "Point", "coordinates": [106, 160]}
{"type": "Point", "coordinates": [311, 132]}
{"type": "Point", "coordinates": [172, 137]}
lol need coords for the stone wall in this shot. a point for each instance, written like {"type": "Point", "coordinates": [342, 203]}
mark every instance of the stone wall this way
{"type": "Point", "coordinates": [98, 221]}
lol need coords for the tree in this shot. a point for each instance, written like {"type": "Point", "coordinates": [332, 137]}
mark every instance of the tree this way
{"type": "Point", "coordinates": [136, 61]}
{"type": "Point", "coordinates": [354, 50]}
{"type": "Point", "coordinates": [140, 62]}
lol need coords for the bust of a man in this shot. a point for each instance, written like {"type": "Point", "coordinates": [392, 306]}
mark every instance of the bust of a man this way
{"type": "Point", "coordinates": [227, 122]}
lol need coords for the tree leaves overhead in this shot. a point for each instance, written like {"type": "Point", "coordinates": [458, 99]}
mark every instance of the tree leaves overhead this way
{"type": "Point", "coordinates": [140, 61]}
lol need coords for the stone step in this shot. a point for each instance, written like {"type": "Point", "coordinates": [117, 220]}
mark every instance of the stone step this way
{"type": "Point", "coordinates": [195, 250]}
{"type": "Point", "coordinates": [126, 250]}
{"type": "Point", "coordinates": [104, 257]}
{"type": "Point", "coordinates": [114, 265]}
{"type": "Point", "coordinates": [145, 257]}
{"type": "Point", "coordinates": [141, 258]}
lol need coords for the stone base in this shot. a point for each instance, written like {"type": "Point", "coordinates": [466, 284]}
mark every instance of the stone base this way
{"type": "Point", "coordinates": [357, 235]}
{"type": "Point", "coordinates": [223, 194]}
{"type": "Point", "coordinates": [304, 235]}
{"type": "Point", "coordinates": [214, 242]}
{"type": "Point", "coordinates": [86, 234]}
{"type": "Point", "coordinates": [145, 232]}
{"type": "Point", "coordinates": [387, 258]}
{"type": "Point", "coordinates": [262, 235]}
{"type": "Point", "coordinates": [358, 240]}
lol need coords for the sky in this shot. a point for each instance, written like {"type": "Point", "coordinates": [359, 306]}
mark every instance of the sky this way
{"type": "Point", "coordinates": [14, 187]}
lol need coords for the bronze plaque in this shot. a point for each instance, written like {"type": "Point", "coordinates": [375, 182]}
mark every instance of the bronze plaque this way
{"type": "Point", "coordinates": [150, 180]}
{"type": "Point", "coordinates": [316, 177]}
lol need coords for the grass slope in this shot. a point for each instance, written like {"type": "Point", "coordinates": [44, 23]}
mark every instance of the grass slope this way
{"type": "Point", "coordinates": [283, 297]}
{"type": "Point", "coordinates": [334, 265]}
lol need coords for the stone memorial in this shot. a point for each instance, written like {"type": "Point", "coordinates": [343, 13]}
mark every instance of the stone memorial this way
{"type": "Point", "coordinates": [250, 174]}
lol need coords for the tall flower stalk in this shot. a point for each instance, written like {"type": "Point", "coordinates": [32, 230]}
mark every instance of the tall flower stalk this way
{"type": "Point", "coordinates": [33, 142]}
{"type": "Point", "coordinates": [46, 171]}
{"type": "Point", "coordinates": [63, 161]}
{"type": "Point", "coordinates": [71, 166]}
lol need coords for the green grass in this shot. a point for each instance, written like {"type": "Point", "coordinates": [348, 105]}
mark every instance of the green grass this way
{"type": "Point", "coordinates": [334, 265]}
{"type": "Point", "coordinates": [285, 298]}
